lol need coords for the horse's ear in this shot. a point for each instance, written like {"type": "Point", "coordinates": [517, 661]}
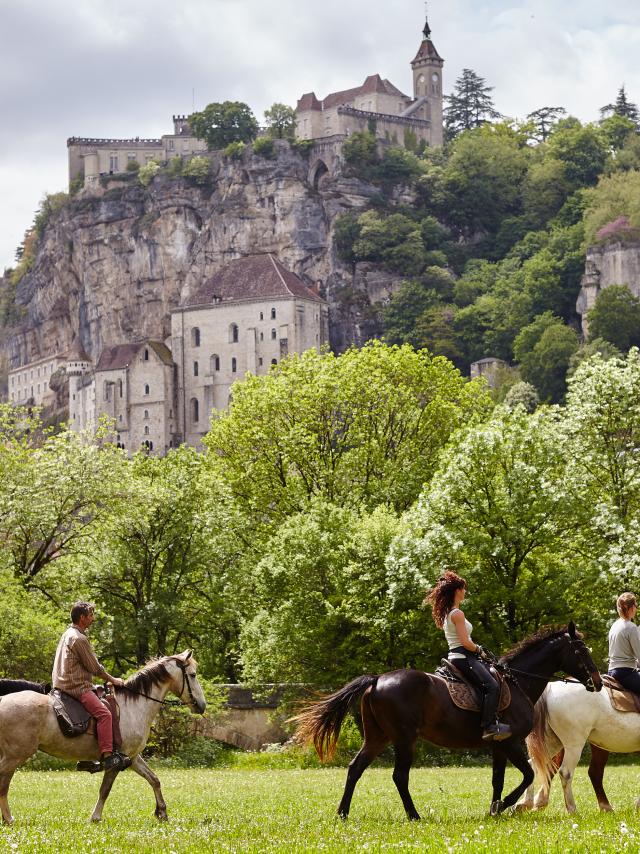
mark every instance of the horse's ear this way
{"type": "Point", "coordinates": [187, 654]}
{"type": "Point", "coordinates": [571, 628]}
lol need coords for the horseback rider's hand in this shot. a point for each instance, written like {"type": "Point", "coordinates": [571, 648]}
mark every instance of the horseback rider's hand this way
{"type": "Point", "coordinates": [115, 680]}
{"type": "Point", "coordinates": [483, 654]}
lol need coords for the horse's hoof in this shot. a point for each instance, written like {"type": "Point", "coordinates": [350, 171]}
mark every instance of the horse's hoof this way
{"type": "Point", "coordinates": [414, 817]}
{"type": "Point", "coordinates": [609, 808]}
{"type": "Point", "coordinates": [496, 808]}
{"type": "Point", "coordinates": [95, 819]}
{"type": "Point", "coordinates": [161, 815]}
{"type": "Point", "coordinates": [524, 807]}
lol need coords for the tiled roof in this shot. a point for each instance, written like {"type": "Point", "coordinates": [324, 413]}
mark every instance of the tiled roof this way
{"type": "Point", "coordinates": [373, 83]}
{"type": "Point", "coordinates": [427, 50]}
{"type": "Point", "coordinates": [121, 356]}
{"type": "Point", "coordinates": [76, 352]}
{"type": "Point", "coordinates": [253, 277]}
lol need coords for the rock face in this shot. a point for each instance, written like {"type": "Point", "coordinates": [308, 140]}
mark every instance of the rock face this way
{"type": "Point", "coordinates": [612, 263]}
{"type": "Point", "coordinates": [111, 265]}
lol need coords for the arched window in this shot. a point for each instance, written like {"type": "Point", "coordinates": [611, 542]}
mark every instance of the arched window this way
{"type": "Point", "coordinates": [195, 369]}
{"type": "Point", "coordinates": [195, 410]}
{"type": "Point", "coordinates": [261, 316]}
{"type": "Point", "coordinates": [215, 363]}
{"type": "Point", "coordinates": [146, 429]}
{"type": "Point", "coordinates": [195, 337]}
{"type": "Point", "coordinates": [234, 365]}
{"type": "Point", "coordinates": [273, 314]}
{"type": "Point", "coordinates": [146, 354]}
{"type": "Point", "coordinates": [105, 390]}
{"type": "Point", "coordinates": [273, 334]}
{"type": "Point", "coordinates": [233, 333]}
{"type": "Point", "coordinates": [146, 413]}
{"type": "Point", "coordinates": [274, 361]}
{"type": "Point", "coordinates": [146, 389]}
{"type": "Point", "coordinates": [262, 336]}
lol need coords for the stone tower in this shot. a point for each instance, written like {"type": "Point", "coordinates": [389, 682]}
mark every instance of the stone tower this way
{"type": "Point", "coordinates": [427, 83]}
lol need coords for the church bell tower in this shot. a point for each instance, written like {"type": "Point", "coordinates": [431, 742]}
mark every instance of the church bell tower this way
{"type": "Point", "coordinates": [427, 84]}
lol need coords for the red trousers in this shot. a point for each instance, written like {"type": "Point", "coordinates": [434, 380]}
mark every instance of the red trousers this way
{"type": "Point", "coordinates": [103, 720]}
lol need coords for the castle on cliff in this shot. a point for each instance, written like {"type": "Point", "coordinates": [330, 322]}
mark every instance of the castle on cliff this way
{"type": "Point", "coordinates": [380, 106]}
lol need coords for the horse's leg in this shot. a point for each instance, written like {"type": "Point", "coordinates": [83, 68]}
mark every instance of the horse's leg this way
{"type": "Point", "coordinates": [5, 779]}
{"type": "Point", "coordinates": [516, 754]}
{"type": "Point", "coordinates": [404, 758]}
{"type": "Point", "coordinates": [140, 767]}
{"type": "Point", "coordinates": [499, 764]}
{"type": "Point", "coordinates": [105, 787]}
{"type": "Point", "coordinates": [599, 758]}
{"type": "Point", "coordinates": [374, 742]}
{"type": "Point", "coordinates": [541, 800]}
{"type": "Point", "coordinates": [566, 771]}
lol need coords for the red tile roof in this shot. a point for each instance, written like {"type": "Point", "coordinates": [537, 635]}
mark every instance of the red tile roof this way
{"type": "Point", "coordinates": [427, 50]}
{"type": "Point", "coordinates": [121, 356]}
{"type": "Point", "coordinates": [373, 83]}
{"type": "Point", "coordinates": [253, 277]}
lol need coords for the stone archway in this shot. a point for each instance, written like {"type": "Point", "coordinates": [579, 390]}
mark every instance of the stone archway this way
{"type": "Point", "coordinates": [317, 172]}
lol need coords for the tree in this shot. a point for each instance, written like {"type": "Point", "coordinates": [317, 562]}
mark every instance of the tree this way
{"type": "Point", "coordinates": [470, 105]}
{"type": "Point", "coordinates": [582, 149]}
{"type": "Point", "coordinates": [544, 349]}
{"type": "Point", "coordinates": [616, 317]}
{"type": "Point", "coordinates": [524, 395]}
{"type": "Point", "coordinates": [281, 121]}
{"type": "Point", "coordinates": [622, 107]}
{"type": "Point", "coordinates": [543, 121]}
{"type": "Point", "coordinates": [617, 130]}
{"type": "Point", "coordinates": [500, 511]}
{"type": "Point", "coordinates": [357, 429]}
{"type": "Point", "coordinates": [616, 196]}
{"type": "Point", "coordinates": [220, 124]}
{"type": "Point", "coordinates": [197, 168]}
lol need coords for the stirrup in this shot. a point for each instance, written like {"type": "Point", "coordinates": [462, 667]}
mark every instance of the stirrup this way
{"type": "Point", "coordinates": [88, 765]}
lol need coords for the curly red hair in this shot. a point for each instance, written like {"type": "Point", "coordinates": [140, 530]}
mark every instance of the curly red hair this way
{"type": "Point", "coordinates": [442, 595]}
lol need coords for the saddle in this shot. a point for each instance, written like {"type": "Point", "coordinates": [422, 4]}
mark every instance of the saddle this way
{"type": "Point", "coordinates": [73, 719]}
{"type": "Point", "coordinates": [620, 698]}
{"type": "Point", "coordinates": [464, 694]}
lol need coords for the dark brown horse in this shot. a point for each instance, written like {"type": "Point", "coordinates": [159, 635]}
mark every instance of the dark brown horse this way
{"type": "Point", "coordinates": [400, 707]}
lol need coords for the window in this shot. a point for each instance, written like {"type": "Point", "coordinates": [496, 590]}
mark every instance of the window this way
{"type": "Point", "coordinates": [262, 336]}
{"type": "Point", "coordinates": [215, 363]}
{"type": "Point", "coordinates": [38, 388]}
{"type": "Point", "coordinates": [120, 418]}
{"type": "Point", "coordinates": [274, 361]}
{"type": "Point", "coordinates": [273, 334]}
{"type": "Point", "coordinates": [261, 315]}
{"type": "Point", "coordinates": [172, 144]}
{"type": "Point", "coordinates": [195, 369]}
{"type": "Point", "coordinates": [120, 388]}
{"type": "Point", "coordinates": [233, 333]}
{"type": "Point", "coordinates": [195, 337]}
{"type": "Point", "coordinates": [234, 365]}
{"type": "Point", "coordinates": [273, 314]}
{"type": "Point", "coordinates": [195, 410]}
{"type": "Point", "coordinates": [105, 391]}
{"type": "Point", "coordinates": [113, 163]}
{"type": "Point", "coordinates": [146, 413]}
{"type": "Point", "coordinates": [146, 354]}
{"type": "Point", "coordinates": [146, 429]}
{"type": "Point", "coordinates": [146, 389]}
{"type": "Point", "coordinates": [131, 156]}
{"type": "Point", "coordinates": [260, 361]}
{"type": "Point", "coordinates": [171, 413]}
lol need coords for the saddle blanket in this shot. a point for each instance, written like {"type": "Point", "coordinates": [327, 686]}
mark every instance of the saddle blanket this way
{"type": "Point", "coordinates": [464, 696]}
{"type": "Point", "coordinates": [75, 720]}
{"type": "Point", "coordinates": [621, 699]}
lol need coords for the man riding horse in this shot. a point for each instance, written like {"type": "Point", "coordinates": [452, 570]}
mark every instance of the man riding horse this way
{"type": "Point", "coordinates": [74, 666]}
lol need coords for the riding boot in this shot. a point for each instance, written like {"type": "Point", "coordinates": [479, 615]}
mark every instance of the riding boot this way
{"type": "Point", "coordinates": [496, 732]}
{"type": "Point", "coordinates": [115, 761]}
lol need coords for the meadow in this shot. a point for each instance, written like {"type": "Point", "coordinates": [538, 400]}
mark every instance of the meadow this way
{"type": "Point", "coordinates": [290, 810]}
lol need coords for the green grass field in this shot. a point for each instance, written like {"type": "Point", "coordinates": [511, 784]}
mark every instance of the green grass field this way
{"type": "Point", "coordinates": [293, 810]}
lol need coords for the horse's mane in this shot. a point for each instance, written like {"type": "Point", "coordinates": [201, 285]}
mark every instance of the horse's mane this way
{"type": "Point", "coordinates": [528, 643]}
{"type": "Point", "coordinates": [153, 673]}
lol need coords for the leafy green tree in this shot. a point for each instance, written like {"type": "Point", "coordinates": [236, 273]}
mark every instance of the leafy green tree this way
{"type": "Point", "coordinates": [148, 172]}
{"type": "Point", "coordinates": [470, 105]}
{"type": "Point", "coordinates": [523, 395]}
{"type": "Point", "coordinates": [544, 349]}
{"type": "Point", "coordinates": [197, 168]}
{"type": "Point", "coordinates": [616, 196]}
{"type": "Point", "coordinates": [622, 106]}
{"type": "Point", "coordinates": [220, 124]}
{"type": "Point", "coordinates": [544, 120]}
{"type": "Point", "coordinates": [501, 512]}
{"type": "Point", "coordinates": [582, 149]}
{"type": "Point", "coordinates": [281, 121]}
{"type": "Point", "coordinates": [617, 129]}
{"type": "Point", "coordinates": [616, 317]}
{"type": "Point", "coordinates": [589, 349]}
{"type": "Point", "coordinates": [360, 152]}
{"type": "Point", "coordinates": [544, 192]}
{"type": "Point", "coordinates": [435, 331]}
{"type": "Point", "coordinates": [357, 429]}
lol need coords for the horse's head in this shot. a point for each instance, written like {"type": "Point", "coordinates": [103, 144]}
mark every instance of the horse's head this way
{"type": "Point", "coordinates": [575, 659]}
{"type": "Point", "coordinates": [184, 682]}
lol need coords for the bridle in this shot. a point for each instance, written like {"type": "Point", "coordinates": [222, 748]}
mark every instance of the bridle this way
{"type": "Point", "coordinates": [575, 644]}
{"type": "Point", "coordinates": [185, 682]}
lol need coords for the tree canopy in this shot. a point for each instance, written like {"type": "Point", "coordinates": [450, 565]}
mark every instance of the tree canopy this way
{"type": "Point", "coordinates": [220, 124]}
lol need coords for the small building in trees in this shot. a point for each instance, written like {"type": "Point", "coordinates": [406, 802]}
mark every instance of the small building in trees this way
{"type": "Point", "coordinates": [379, 105]}
{"type": "Point", "coordinates": [489, 368]}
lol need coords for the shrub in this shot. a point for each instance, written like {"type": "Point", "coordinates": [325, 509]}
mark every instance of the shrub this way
{"type": "Point", "coordinates": [198, 169]}
{"type": "Point", "coordinates": [133, 166]}
{"type": "Point", "coordinates": [263, 147]}
{"type": "Point", "coordinates": [174, 166]}
{"type": "Point", "coordinates": [234, 150]}
{"type": "Point", "coordinates": [148, 172]}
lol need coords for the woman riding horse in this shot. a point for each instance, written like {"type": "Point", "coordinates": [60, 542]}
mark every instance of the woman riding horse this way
{"type": "Point", "coordinates": [445, 600]}
{"type": "Point", "coordinates": [624, 644]}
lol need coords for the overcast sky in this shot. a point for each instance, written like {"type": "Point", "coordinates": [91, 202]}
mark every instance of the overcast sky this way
{"type": "Point", "coordinates": [122, 68]}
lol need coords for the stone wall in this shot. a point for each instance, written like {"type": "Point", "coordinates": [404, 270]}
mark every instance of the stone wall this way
{"type": "Point", "coordinates": [613, 263]}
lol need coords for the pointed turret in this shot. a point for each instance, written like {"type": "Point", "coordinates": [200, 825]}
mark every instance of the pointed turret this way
{"type": "Point", "coordinates": [427, 83]}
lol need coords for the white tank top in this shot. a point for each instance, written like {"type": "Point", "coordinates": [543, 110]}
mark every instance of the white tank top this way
{"type": "Point", "coordinates": [451, 632]}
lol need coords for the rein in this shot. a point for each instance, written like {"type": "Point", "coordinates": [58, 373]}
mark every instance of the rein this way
{"type": "Point", "coordinates": [507, 669]}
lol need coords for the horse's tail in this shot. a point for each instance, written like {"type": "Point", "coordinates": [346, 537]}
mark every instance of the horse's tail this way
{"type": "Point", "coordinates": [541, 759]}
{"type": "Point", "coordinates": [320, 722]}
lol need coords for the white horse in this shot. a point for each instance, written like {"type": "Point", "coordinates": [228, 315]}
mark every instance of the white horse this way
{"type": "Point", "coordinates": [28, 723]}
{"type": "Point", "coordinates": [565, 718]}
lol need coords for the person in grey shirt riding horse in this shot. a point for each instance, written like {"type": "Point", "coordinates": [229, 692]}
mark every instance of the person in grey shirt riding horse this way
{"type": "Point", "coordinates": [624, 644]}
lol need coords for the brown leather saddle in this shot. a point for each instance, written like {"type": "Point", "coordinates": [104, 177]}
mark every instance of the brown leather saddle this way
{"type": "Point", "coordinates": [621, 699]}
{"type": "Point", "coordinates": [73, 719]}
{"type": "Point", "coordinates": [464, 694]}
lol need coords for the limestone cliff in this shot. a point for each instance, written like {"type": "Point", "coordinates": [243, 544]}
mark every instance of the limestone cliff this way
{"type": "Point", "coordinates": [614, 262]}
{"type": "Point", "coordinates": [112, 263]}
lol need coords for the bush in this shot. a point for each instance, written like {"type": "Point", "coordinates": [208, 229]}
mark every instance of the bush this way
{"type": "Point", "coordinates": [174, 166]}
{"type": "Point", "coordinates": [264, 147]}
{"type": "Point", "coordinates": [148, 172]}
{"type": "Point", "coordinates": [133, 166]}
{"type": "Point", "coordinates": [198, 169]}
{"type": "Point", "coordinates": [303, 146]}
{"type": "Point", "coordinates": [234, 150]}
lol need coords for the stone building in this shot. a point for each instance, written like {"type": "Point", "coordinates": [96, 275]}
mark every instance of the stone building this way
{"type": "Point", "coordinates": [91, 158]}
{"type": "Point", "coordinates": [29, 384]}
{"type": "Point", "coordinates": [245, 318]}
{"type": "Point", "coordinates": [379, 103]}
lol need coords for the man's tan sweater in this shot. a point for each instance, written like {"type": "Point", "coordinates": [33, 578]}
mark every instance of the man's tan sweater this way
{"type": "Point", "coordinates": [75, 663]}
